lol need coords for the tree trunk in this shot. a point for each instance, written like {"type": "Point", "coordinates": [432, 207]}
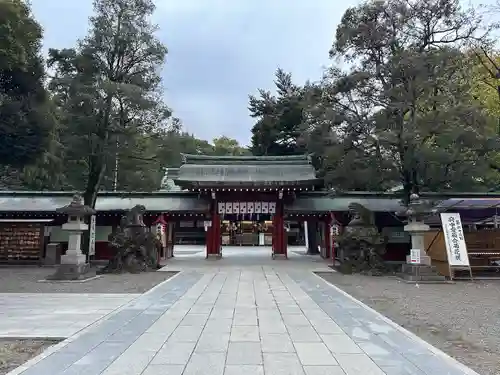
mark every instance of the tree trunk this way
{"type": "Point", "coordinates": [312, 236]}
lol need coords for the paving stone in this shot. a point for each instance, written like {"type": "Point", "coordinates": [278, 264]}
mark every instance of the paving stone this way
{"type": "Point", "coordinates": [290, 309]}
{"type": "Point", "coordinates": [218, 325]}
{"type": "Point", "coordinates": [245, 319]}
{"type": "Point", "coordinates": [403, 369]}
{"type": "Point", "coordinates": [163, 370]}
{"type": "Point", "coordinates": [131, 362]}
{"type": "Point", "coordinates": [282, 364]}
{"type": "Point", "coordinates": [174, 353]}
{"type": "Point", "coordinates": [53, 364]}
{"type": "Point", "coordinates": [276, 343]}
{"type": "Point", "coordinates": [431, 364]}
{"type": "Point", "coordinates": [324, 370]}
{"type": "Point", "coordinates": [152, 341]}
{"type": "Point", "coordinates": [222, 313]}
{"type": "Point", "coordinates": [326, 326]}
{"type": "Point", "coordinates": [245, 333]}
{"type": "Point", "coordinates": [314, 354]}
{"type": "Point", "coordinates": [341, 344]}
{"type": "Point", "coordinates": [355, 364]}
{"type": "Point", "coordinates": [244, 370]}
{"type": "Point", "coordinates": [194, 320]}
{"type": "Point", "coordinates": [244, 353]}
{"type": "Point", "coordinates": [272, 327]}
{"type": "Point", "coordinates": [201, 308]}
{"type": "Point", "coordinates": [295, 320]}
{"type": "Point", "coordinates": [206, 364]}
{"type": "Point", "coordinates": [303, 334]}
{"type": "Point", "coordinates": [213, 342]}
{"type": "Point", "coordinates": [186, 334]}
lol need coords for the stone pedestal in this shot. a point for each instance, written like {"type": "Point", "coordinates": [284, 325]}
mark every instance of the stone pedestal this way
{"type": "Point", "coordinates": [52, 254]}
{"type": "Point", "coordinates": [417, 231]}
{"type": "Point", "coordinates": [422, 272]}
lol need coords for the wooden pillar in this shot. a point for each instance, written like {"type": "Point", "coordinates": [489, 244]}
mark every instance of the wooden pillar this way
{"type": "Point", "coordinates": [328, 238]}
{"type": "Point", "coordinates": [312, 234]}
{"type": "Point", "coordinates": [279, 235]}
{"type": "Point", "coordinates": [170, 238]}
{"type": "Point", "coordinates": [216, 233]}
{"type": "Point", "coordinates": [213, 233]}
{"type": "Point", "coordinates": [209, 241]}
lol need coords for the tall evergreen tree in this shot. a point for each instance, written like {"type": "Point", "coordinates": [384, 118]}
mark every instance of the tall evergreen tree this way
{"type": "Point", "coordinates": [26, 118]}
{"type": "Point", "coordinates": [110, 93]}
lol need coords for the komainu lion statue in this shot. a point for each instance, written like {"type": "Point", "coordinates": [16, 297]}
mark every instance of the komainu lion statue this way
{"type": "Point", "coordinates": [361, 246]}
{"type": "Point", "coordinates": [134, 249]}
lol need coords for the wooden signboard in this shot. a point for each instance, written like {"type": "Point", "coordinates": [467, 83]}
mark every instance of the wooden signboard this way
{"type": "Point", "coordinates": [21, 242]}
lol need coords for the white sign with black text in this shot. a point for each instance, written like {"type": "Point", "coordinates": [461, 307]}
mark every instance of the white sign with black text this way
{"type": "Point", "coordinates": [456, 248]}
{"type": "Point", "coordinates": [415, 256]}
{"type": "Point", "coordinates": [92, 236]}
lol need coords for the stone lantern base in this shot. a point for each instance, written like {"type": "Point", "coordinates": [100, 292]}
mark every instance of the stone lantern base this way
{"type": "Point", "coordinates": [72, 272]}
{"type": "Point", "coordinates": [421, 273]}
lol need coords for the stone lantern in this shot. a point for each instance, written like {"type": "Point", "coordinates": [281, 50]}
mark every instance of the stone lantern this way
{"type": "Point", "coordinates": [74, 264]}
{"type": "Point", "coordinates": [422, 271]}
{"type": "Point", "coordinates": [417, 210]}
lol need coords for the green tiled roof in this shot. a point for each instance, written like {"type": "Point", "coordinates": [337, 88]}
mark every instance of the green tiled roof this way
{"type": "Point", "coordinates": [202, 170]}
{"type": "Point", "coordinates": [326, 204]}
{"type": "Point", "coordinates": [50, 201]}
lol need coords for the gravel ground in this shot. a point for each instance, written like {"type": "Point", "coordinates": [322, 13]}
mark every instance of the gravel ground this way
{"type": "Point", "coordinates": [13, 353]}
{"type": "Point", "coordinates": [462, 319]}
{"type": "Point", "coordinates": [26, 280]}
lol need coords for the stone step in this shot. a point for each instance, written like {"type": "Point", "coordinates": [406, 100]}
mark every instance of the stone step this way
{"type": "Point", "coordinates": [421, 269]}
{"type": "Point", "coordinates": [423, 278]}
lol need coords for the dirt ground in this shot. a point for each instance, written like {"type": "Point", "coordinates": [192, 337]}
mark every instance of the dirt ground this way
{"type": "Point", "coordinates": [462, 319]}
{"type": "Point", "coordinates": [13, 353]}
{"type": "Point", "coordinates": [27, 280]}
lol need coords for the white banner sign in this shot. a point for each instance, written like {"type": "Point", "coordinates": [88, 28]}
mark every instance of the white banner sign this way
{"type": "Point", "coordinates": [237, 208]}
{"type": "Point", "coordinates": [456, 248]}
{"type": "Point", "coordinates": [92, 236]}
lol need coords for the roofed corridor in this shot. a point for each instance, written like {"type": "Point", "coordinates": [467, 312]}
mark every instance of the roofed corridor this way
{"type": "Point", "coordinates": [244, 314]}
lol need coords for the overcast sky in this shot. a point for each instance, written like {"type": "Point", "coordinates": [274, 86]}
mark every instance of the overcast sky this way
{"type": "Point", "coordinates": [220, 51]}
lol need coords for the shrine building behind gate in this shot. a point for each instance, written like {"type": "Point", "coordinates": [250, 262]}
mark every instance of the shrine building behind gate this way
{"type": "Point", "coordinates": [245, 193]}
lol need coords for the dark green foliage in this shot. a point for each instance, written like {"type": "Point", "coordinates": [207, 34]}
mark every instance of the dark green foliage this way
{"type": "Point", "coordinates": [26, 119]}
{"type": "Point", "coordinates": [279, 118]}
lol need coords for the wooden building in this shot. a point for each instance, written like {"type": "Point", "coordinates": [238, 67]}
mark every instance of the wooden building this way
{"type": "Point", "coordinates": [211, 201]}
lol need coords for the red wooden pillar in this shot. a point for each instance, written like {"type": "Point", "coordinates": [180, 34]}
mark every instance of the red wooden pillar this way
{"type": "Point", "coordinates": [213, 233]}
{"type": "Point", "coordinates": [279, 239]}
{"type": "Point", "coordinates": [216, 233]}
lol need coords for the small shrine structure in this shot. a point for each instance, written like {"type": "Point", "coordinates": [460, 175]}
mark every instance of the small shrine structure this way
{"type": "Point", "coordinates": [251, 188]}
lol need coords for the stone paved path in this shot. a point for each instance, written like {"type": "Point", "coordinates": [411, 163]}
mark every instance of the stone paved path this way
{"type": "Point", "coordinates": [57, 315]}
{"type": "Point", "coordinates": [271, 319]}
